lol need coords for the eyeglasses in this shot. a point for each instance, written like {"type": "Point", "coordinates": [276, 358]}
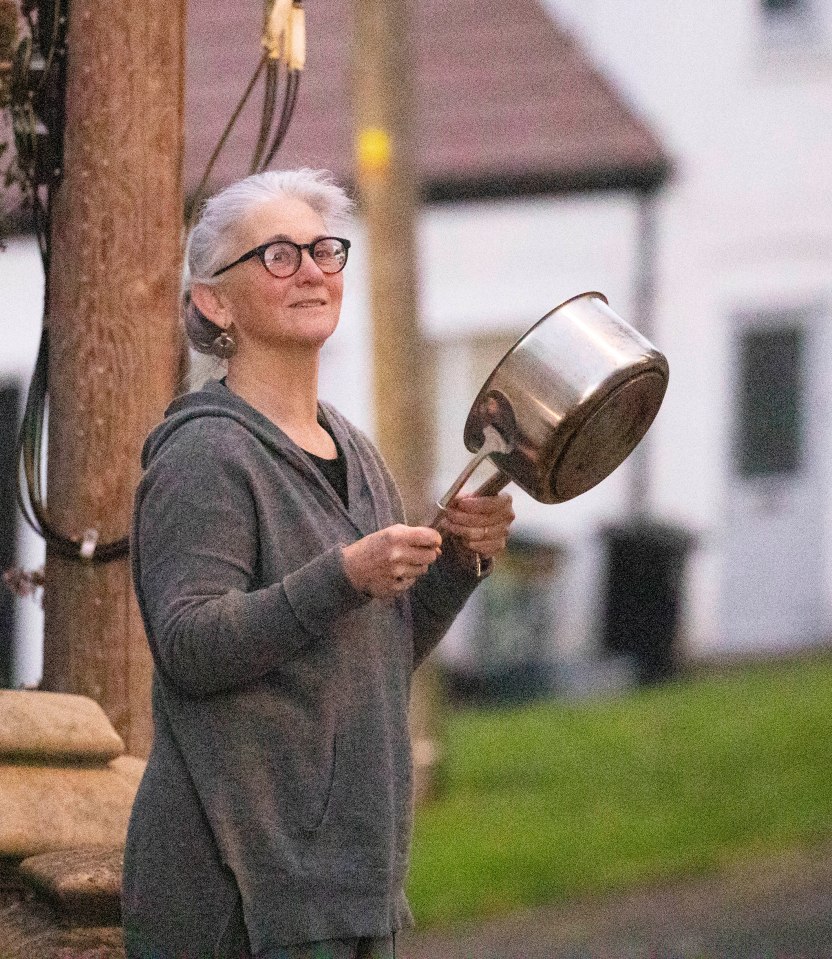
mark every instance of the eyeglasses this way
{"type": "Point", "coordinates": [282, 258]}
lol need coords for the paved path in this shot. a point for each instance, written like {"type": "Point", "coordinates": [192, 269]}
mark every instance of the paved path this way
{"type": "Point", "coordinates": [777, 908]}
{"type": "Point", "coordinates": [770, 909]}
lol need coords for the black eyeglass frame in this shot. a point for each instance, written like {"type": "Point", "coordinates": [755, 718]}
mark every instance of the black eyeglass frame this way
{"type": "Point", "coordinates": [260, 253]}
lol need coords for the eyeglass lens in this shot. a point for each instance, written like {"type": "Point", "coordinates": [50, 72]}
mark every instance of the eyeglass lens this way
{"type": "Point", "coordinates": [283, 258]}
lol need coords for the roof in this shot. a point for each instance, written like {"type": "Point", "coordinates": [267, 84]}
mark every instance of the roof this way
{"type": "Point", "coordinates": [506, 101]}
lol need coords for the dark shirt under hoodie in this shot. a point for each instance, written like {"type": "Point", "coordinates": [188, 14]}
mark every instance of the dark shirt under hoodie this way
{"type": "Point", "coordinates": [279, 783]}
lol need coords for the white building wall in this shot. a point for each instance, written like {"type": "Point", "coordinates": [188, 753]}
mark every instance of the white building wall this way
{"type": "Point", "coordinates": [494, 268]}
{"type": "Point", "coordinates": [743, 107]}
{"type": "Point", "coordinates": [498, 267]}
{"type": "Point", "coordinates": [21, 302]}
{"type": "Point", "coordinates": [746, 223]}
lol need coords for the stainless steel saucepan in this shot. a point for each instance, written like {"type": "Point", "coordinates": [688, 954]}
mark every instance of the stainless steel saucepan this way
{"type": "Point", "coordinates": [566, 405]}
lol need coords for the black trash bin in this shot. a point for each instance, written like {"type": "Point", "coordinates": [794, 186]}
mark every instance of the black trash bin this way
{"type": "Point", "coordinates": [645, 567]}
{"type": "Point", "coordinates": [509, 660]}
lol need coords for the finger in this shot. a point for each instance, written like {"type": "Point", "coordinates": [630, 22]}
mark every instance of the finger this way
{"type": "Point", "coordinates": [457, 519]}
{"type": "Point", "coordinates": [414, 556]}
{"type": "Point", "coordinates": [482, 504]}
{"type": "Point", "coordinates": [422, 536]}
{"type": "Point", "coordinates": [481, 517]}
{"type": "Point", "coordinates": [469, 532]}
{"type": "Point", "coordinates": [487, 544]}
{"type": "Point", "coordinates": [410, 570]}
{"type": "Point", "coordinates": [487, 548]}
{"type": "Point", "coordinates": [401, 584]}
{"type": "Point", "coordinates": [472, 535]}
{"type": "Point", "coordinates": [469, 521]}
{"type": "Point", "coordinates": [490, 548]}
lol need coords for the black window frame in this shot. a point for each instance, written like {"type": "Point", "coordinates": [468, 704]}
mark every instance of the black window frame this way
{"type": "Point", "coordinates": [781, 8]}
{"type": "Point", "coordinates": [771, 417]}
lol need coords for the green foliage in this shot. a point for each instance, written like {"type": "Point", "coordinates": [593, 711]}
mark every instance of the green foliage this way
{"type": "Point", "coordinates": [548, 802]}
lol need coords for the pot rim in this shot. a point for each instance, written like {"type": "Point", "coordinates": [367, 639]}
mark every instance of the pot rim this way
{"type": "Point", "coordinates": [491, 376]}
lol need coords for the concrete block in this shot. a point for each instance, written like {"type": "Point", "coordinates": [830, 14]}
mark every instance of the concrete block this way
{"type": "Point", "coordinates": [85, 883]}
{"type": "Point", "coordinates": [131, 767]}
{"type": "Point", "coordinates": [47, 808]}
{"type": "Point", "coordinates": [52, 726]}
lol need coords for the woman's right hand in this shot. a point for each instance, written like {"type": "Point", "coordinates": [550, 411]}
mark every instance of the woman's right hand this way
{"type": "Point", "coordinates": [390, 561]}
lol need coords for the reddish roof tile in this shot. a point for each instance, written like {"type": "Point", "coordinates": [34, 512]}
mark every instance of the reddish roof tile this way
{"type": "Point", "coordinates": [506, 101]}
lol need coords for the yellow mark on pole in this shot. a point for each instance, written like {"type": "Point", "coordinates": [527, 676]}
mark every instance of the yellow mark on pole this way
{"type": "Point", "coordinates": [374, 148]}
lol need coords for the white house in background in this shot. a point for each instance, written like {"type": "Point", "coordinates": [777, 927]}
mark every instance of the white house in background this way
{"type": "Point", "coordinates": [508, 106]}
{"type": "Point", "coordinates": [740, 94]}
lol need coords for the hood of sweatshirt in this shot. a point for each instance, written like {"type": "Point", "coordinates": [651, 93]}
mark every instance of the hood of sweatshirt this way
{"type": "Point", "coordinates": [215, 399]}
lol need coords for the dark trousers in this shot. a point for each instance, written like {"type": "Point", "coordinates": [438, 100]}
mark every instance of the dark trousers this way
{"type": "Point", "coordinates": [336, 949]}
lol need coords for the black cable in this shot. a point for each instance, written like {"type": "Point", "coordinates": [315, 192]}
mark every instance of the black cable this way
{"type": "Point", "coordinates": [30, 457]}
{"type": "Point", "coordinates": [270, 88]}
{"type": "Point", "coordinates": [289, 102]}
{"type": "Point", "coordinates": [226, 133]}
{"type": "Point", "coordinates": [49, 92]}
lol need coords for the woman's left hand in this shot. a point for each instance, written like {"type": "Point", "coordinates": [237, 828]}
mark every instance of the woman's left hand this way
{"type": "Point", "coordinates": [480, 523]}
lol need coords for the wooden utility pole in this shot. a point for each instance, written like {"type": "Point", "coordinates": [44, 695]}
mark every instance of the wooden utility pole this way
{"type": "Point", "coordinates": [389, 195]}
{"type": "Point", "coordinates": [114, 345]}
{"type": "Point", "coordinates": [382, 67]}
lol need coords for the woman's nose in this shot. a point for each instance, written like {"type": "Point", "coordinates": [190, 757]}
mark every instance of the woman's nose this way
{"type": "Point", "coordinates": [308, 267]}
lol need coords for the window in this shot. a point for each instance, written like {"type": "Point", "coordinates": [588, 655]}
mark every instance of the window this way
{"type": "Point", "coordinates": [771, 401]}
{"type": "Point", "coordinates": [777, 7]}
{"type": "Point", "coordinates": [787, 23]}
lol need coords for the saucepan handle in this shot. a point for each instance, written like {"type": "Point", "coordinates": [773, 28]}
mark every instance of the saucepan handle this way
{"type": "Point", "coordinates": [493, 442]}
{"type": "Point", "coordinates": [491, 487]}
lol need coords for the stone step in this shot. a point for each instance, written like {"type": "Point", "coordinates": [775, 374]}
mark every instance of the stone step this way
{"type": "Point", "coordinates": [45, 808]}
{"type": "Point", "coordinates": [35, 930]}
{"type": "Point", "coordinates": [55, 726]}
{"type": "Point", "coordinates": [84, 883]}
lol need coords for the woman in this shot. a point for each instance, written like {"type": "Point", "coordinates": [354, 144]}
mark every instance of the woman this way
{"type": "Point", "coordinates": [286, 604]}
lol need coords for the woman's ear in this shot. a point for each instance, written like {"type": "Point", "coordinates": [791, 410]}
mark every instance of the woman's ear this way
{"type": "Point", "coordinates": [210, 304]}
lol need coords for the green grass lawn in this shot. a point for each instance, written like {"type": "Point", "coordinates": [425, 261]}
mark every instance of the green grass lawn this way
{"type": "Point", "coordinates": [546, 802]}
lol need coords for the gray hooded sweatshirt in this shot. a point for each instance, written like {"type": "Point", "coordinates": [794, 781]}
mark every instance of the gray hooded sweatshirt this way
{"type": "Point", "coordinates": [279, 783]}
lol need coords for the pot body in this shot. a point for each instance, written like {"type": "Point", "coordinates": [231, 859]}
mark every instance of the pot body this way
{"type": "Point", "coordinates": [574, 396]}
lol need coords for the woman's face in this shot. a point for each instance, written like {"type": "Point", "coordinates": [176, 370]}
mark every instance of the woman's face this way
{"type": "Point", "coordinates": [270, 311]}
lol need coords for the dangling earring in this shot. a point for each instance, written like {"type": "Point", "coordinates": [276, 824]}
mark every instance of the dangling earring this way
{"type": "Point", "coordinates": [225, 346]}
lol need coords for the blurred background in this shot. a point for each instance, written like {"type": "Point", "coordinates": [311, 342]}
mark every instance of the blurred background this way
{"type": "Point", "coordinates": [678, 163]}
{"type": "Point", "coordinates": [675, 157]}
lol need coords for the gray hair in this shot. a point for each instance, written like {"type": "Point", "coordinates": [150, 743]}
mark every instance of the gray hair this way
{"type": "Point", "coordinates": [207, 249]}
